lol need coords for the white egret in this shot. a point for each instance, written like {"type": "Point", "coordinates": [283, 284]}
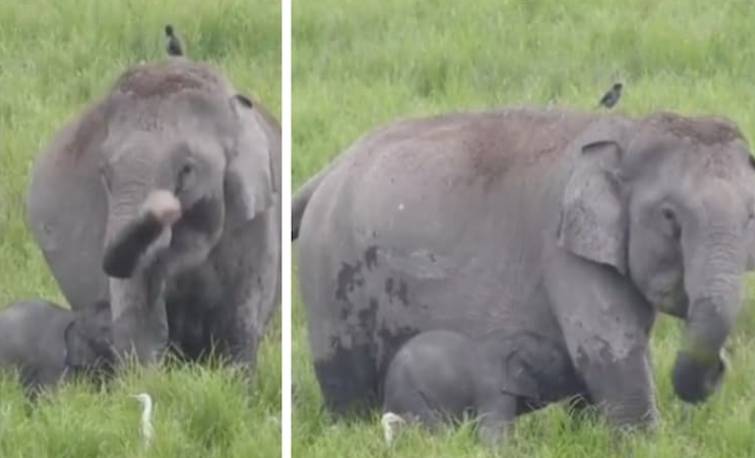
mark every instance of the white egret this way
{"type": "Point", "coordinates": [389, 421]}
{"type": "Point", "coordinates": [147, 430]}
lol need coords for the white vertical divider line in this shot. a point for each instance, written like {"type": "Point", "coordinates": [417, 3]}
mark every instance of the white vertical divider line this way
{"type": "Point", "coordinates": [286, 376]}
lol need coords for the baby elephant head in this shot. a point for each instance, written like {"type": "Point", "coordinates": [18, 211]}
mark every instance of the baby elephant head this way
{"type": "Point", "coordinates": [88, 339]}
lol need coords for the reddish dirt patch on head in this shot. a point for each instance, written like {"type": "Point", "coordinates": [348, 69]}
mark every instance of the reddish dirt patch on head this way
{"type": "Point", "coordinates": [162, 79]}
{"type": "Point", "coordinates": [702, 130]}
{"type": "Point", "coordinates": [141, 82]}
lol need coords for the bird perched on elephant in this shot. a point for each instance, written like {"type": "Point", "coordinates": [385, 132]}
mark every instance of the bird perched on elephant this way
{"type": "Point", "coordinates": [46, 343]}
{"type": "Point", "coordinates": [440, 376]}
{"type": "Point", "coordinates": [173, 46]}
{"type": "Point", "coordinates": [162, 197]}
{"type": "Point", "coordinates": [611, 97]}
{"type": "Point", "coordinates": [577, 227]}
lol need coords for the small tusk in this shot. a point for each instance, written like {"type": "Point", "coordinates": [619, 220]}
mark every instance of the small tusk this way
{"type": "Point", "coordinates": [388, 421]}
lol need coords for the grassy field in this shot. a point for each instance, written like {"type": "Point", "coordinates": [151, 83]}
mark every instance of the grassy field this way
{"type": "Point", "coordinates": [56, 56]}
{"type": "Point", "coordinates": [358, 64]}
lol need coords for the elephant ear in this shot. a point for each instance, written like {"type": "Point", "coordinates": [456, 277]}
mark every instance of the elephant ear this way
{"type": "Point", "coordinates": [88, 337]}
{"type": "Point", "coordinates": [593, 222]}
{"type": "Point", "coordinates": [66, 204]}
{"type": "Point", "coordinates": [96, 320]}
{"type": "Point", "coordinates": [249, 185]}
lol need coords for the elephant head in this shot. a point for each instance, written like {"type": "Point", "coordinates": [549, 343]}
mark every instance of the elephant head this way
{"type": "Point", "coordinates": [184, 160]}
{"type": "Point", "coordinates": [88, 339]}
{"type": "Point", "coordinates": [668, 202]}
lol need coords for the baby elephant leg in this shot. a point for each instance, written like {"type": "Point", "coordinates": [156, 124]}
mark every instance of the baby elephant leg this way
{"type": "Point", "coordinates": [496, 413]}
{"type": "Point", "coordinates": [412, 405]}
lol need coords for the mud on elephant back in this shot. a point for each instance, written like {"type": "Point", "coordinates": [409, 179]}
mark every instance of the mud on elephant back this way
{"type": "Point", "coordinates": [162, 198]}
{"type": "Point", "coordinates": [572, 228]}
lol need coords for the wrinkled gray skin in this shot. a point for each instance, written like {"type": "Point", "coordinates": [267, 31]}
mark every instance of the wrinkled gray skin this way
{"type": "Point", "coordinates": [576, 227]}
{"type": "Point", "coordinates": [46, 343]}
{"type": "Point", "coordinates": [443, 375]}
{"type": "Point", "coordinates": [162, 197]}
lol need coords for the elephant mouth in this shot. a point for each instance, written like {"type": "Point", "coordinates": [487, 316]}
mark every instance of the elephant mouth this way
{"type": "Point", "coordinates": [674, 302]}
{"type": "Point", "coordinates": [673, 308]}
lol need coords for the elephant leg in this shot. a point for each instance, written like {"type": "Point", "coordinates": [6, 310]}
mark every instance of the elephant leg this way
{"type": "Point", "coordinates": [341, 324]}
{"type": "Point", "coordinates": [624, 390]}
{"type": "Point", "coordinates": [347, 377]}
{"type": "Point", "coordinates": [497, 414]}
{"type": "Point", "coordinates": [228, 333]}
{"type": "Point", "coordinates": [404, 398]}
{"type": "Point", "coordinates": [344, 351]}
{"type": "Point", "coordinates": [241, 348]}
{"type": "Point", "coordinates": [248, 328]}
{"type": "Point", "coordinates": [346, 367]}
{"type": "Point", "coordinates": [605, 324]}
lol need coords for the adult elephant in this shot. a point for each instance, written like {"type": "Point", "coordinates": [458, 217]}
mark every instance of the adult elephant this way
{"type": "Point", "coordinates": [574, 227]}
{"type": "Point", "coordinates": [162, 198]}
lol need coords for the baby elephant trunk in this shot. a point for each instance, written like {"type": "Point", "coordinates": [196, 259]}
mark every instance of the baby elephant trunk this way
{"type": "Point", "coordinates": [132, 239]}
{"type": "Point", "coordinates": [715, 302]}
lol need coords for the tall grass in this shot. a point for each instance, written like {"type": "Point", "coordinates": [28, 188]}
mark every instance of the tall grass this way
{"type": "Point", "coordinates": [361, 63]}
{"type": "Point", "coordinates": [56, 56]}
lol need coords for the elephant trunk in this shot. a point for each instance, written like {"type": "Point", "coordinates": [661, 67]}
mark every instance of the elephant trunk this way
{"type": "Point", "coordinates": [714, 288]}
{"type": "Point", "coordinates": [132, 236]}
{"type": "Point", "coordinates": [136, 288]}
{"type": "Point", "coordinates": [140, 323]}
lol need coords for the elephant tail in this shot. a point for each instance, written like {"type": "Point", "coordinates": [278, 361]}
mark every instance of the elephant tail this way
{"type": "Point", "coordinates": [301, 200]}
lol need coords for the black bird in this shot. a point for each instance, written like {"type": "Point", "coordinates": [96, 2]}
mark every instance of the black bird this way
{"type": "Point", "coordinates": [174, 44]}
{"type": "Point", "coordinates": [611, 97]}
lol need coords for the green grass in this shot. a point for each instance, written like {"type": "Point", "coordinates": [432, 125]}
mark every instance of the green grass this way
{"type": "Point", "coordinates": [55, 57]}
{"type": "Point", "coordinates": [358, 64]}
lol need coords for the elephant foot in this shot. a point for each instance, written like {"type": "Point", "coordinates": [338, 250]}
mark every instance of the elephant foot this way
{"type": "Point", "coordinates": [497, 421]}
{"type": "Point", "coordinates": [348, 381]}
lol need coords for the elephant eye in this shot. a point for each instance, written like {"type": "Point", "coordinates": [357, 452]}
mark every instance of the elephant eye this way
{"type": "Point", "coordinates": [670, 217]}
{"type": "Point", "coordinates": [183, 180]}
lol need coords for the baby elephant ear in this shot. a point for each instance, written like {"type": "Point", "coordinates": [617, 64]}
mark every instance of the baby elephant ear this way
{"type": "Point", "coordinates": [249, 186]}
{"type": "Point", "coordinates": [78, 350]}
{"type": "Point", "coordinates": [98, 316]}
{"type": "Point", "coordinates": [88, 336]}
{"type": "Point", "coordinates": [593, 221]}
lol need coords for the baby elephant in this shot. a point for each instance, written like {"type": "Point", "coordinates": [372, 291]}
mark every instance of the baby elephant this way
{"type": "Point", "coordinates": [443, 375]}
{"type": "Point", "coordinates": [46, 343]}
